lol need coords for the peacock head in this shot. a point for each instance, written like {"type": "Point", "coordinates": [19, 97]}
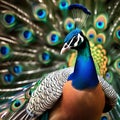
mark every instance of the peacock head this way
{"type": "Point", "coordinates": [74, 40]}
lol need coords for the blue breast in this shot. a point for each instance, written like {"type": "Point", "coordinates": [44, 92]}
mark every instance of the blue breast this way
{"type": "Point", "coordinates": [84, 75]}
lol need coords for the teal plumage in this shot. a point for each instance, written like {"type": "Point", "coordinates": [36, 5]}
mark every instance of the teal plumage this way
{"type": "Point", "coordinates": [84, 60]}
{"type": "Point", "coordinates": [45, 116]}
{"type": "Point", "coordinates": [31, 36]}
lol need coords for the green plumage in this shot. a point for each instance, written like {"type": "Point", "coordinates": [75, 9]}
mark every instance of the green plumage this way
{"type": "Point", "coordinates": [45, 116]}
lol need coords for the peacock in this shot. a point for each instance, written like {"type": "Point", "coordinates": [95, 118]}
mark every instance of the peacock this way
{"type": "Point", "coordinates": [31, 36]}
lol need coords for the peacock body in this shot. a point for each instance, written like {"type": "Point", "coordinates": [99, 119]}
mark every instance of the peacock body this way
{"type": "Point", "coordinates": [31, 36]}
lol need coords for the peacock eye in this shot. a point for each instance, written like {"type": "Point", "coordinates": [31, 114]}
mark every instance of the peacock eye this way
{"type": "Point", "coordinates": [75, 39]}
{"type": "Point", "coordinates": [65, 45]}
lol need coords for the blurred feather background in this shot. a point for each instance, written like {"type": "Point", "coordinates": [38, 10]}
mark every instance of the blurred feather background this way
{"type": "Point", "coordinates": [31, 36]}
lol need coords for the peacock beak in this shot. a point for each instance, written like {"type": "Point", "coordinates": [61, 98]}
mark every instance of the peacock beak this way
{"type": "Point", "coordinates": [65, 48]}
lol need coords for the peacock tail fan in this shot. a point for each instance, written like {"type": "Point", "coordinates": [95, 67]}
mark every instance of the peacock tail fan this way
{"type": "Point", "coordinates": [31, 36]}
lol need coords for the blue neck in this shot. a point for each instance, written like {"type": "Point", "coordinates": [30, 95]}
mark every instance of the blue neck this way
{"type": "Point", "coordinates": [84, 75]}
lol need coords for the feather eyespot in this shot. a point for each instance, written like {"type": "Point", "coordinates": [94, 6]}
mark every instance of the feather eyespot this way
{"type": "Point", "coordinates": [17, 104]}
{"type": "Point", "coordinates": [69, 24]}
{"type": "Point", "coordinates": [109, 76]}
{"type": "Point", "coordinates": [116, 35]}
{"type": "Point", "coordinates": [7, 78]}
{"type": "Point", "coordinates": [26, 35]}
{"type": "Point", "coordinates": [54, 38]}
{"type": "Point", "coordinates": [101, 21]}
{"type": "Point", "coordinates": [104, 118]}
{"type": "Point", "coordinates": [16, 69]}
{"type": "Point", "coordinates": [9, 19]}
{"type": "Point", "coordinates": [117, 65]}
{"type": "Point", "coordinates": [100, 39]}
{"type": "Point", "coordinates": [40, 12]}
{"type": "Point", "coordinates": [63, 4]}
{"type": "Point", "coordinates": [45, 57]}
{"type": "Point", "coordinates": [5, 50]}
{"type": "Point", "coordinates": [91, 34]}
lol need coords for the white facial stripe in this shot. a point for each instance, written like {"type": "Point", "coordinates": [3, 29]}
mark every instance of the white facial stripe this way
{"type": "Point", "coordinates": [65, 45]}
{"type": "Point", "coordinates": [78, 38]}
{"type": "Point", "coordinates": [71, 41]}
{"type": "Point", "coordinates": [76, 43]}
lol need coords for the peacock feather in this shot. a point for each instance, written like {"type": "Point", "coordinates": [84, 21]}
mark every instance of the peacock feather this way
{"type": "Point", "coordinates": [31, 36]}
